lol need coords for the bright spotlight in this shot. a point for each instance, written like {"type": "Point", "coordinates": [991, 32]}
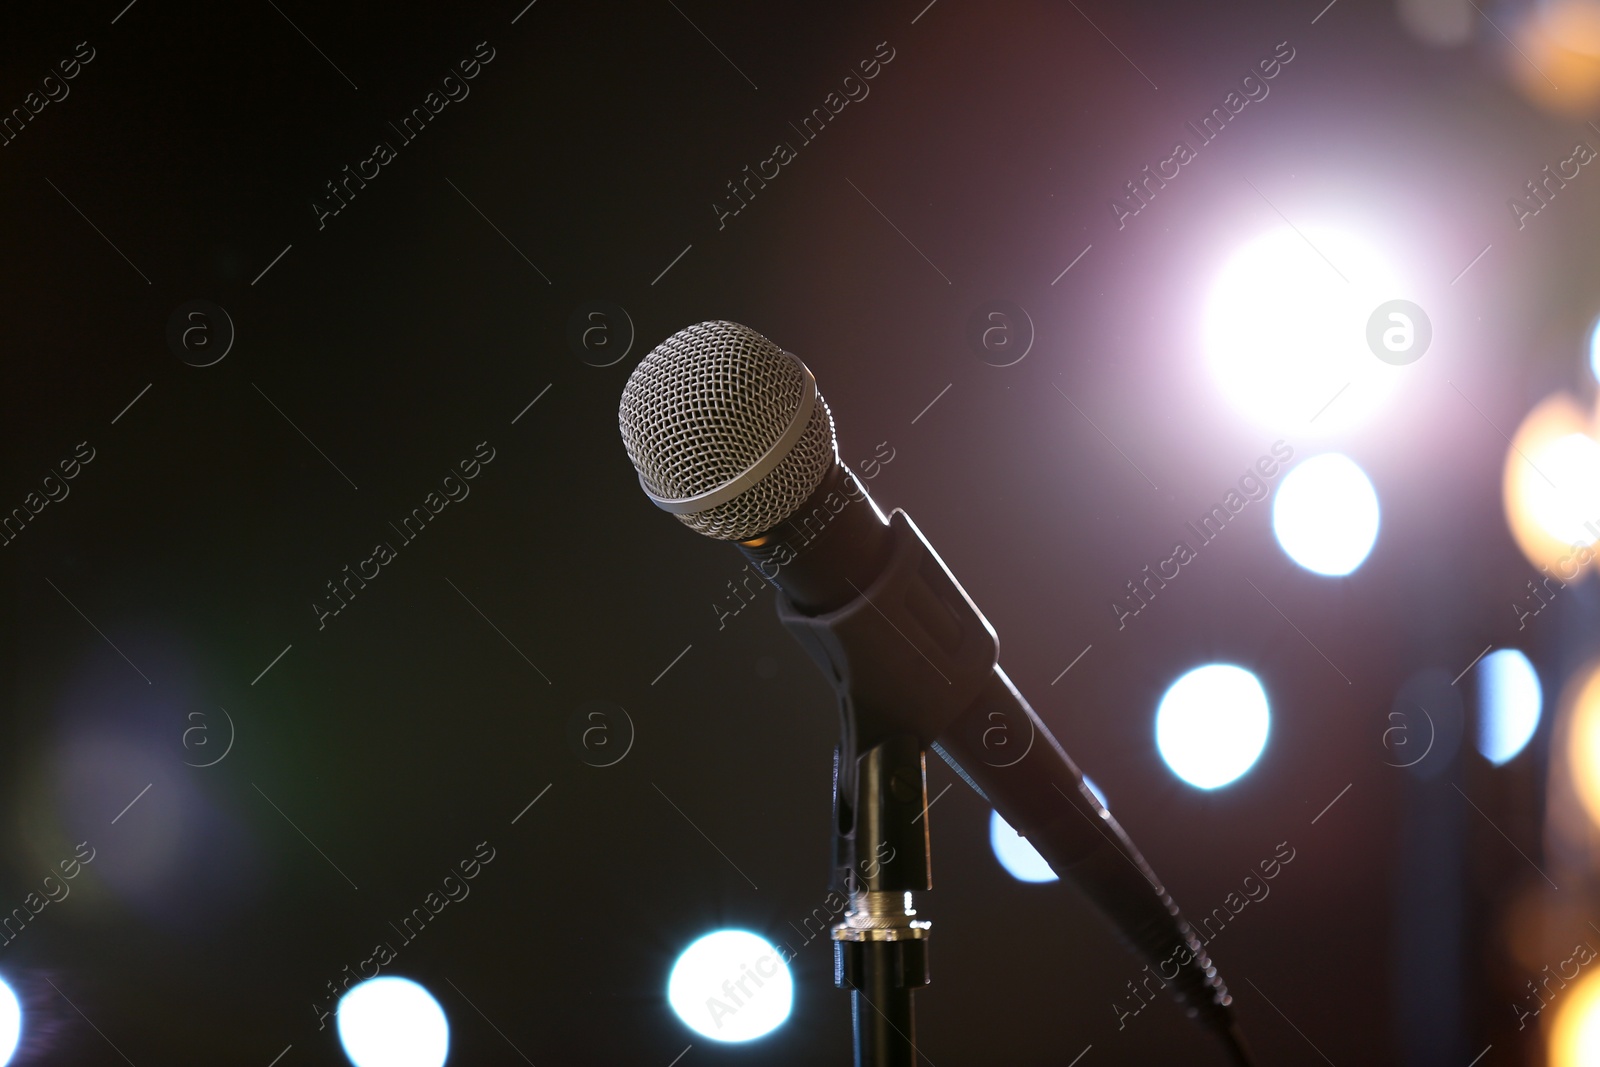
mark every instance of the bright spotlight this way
{"type": "Point", "coordinates": [1325, 515]}
{"type": "Point", "coordinates": [1020, 859]}
{"type": "Point", "coordinates": [1583, 745]}
{"type": "Point", "coordinates": [731, 986]}
{"type": "Point", "coordinates": [10, 1023]}
{"type": "Point", "coordinates": [1569, 509]}
{"type": "Point", "coordinates": [1286, 331]}
{"type": "Point", "coordinates": [393, 1022]}
{"type": "Point", "coordinates": [1509, 701]}
{"type": "Point", "coordinates": [1212, 724]}
{"type": "Point", "coordinates": [1575, 1035]}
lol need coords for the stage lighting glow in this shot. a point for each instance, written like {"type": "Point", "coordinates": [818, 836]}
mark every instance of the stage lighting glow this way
{"type": "Point", "coordinates": [1568, 509]}
{"type": "Point", "coordinates": [1212, 724]}
{"type": "Point", "coordinates": [1509, 702]}
{"type": "Point", "coordinates": [1583, 744]}
{"type": "Point", "coordinates": [1020, 859]}
{"type": "Point", "coordinates": [731, 985]}
{"type": "Point", "coordinates": [10, 1023]}
{"type": "Point", "coordinates": [1285, 330]}
{"type": "Point", "coordinates": [1325, 515]}
{"type": "Point", "coordinates": [393, 1022]}
{"type": "Point", "coordinates": [1575, 1034]}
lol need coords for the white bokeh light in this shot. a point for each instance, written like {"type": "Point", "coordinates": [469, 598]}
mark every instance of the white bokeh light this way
{"type": "Point", "coordinates": [1212, 724]}
{"type": "Point", "coordinates": [10, 1023]}
{"type": "Point", "coordinates": [1285, 330]}
{"type": "Point", "coordinates": [1020, 859]}
{"type": "Point", "coordinates": [393, 1022]}
{"type": "Point", "coordinates": [1325, 515]}
{"type": "Point", "coordinates": [1568, 509]}
{"type": "Point", "coordinates": [1509, 702]}
{"type": "Point", "coordinates": [731, 985]}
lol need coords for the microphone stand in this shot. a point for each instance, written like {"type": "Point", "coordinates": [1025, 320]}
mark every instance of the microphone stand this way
{"type": "Point", "coordinates": [914, 666]}
{"type": "Point", "coordinates": [881, 844]}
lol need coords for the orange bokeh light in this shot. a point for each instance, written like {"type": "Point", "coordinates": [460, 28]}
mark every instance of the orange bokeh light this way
{"type": "Point", "coordinates": [1557, 59]}
{"type": "Point", "coordinates": [1551, 487]}
{"type": "Point", "coordinates": [1583, 745]}
{"type": "Point", "coordinates": [1575, 1034]}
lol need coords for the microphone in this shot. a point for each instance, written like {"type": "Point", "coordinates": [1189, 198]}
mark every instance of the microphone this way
{"type": "Point", "coordinates": [729, 434]}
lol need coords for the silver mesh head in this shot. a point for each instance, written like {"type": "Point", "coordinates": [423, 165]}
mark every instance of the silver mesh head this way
{"type": "Point", "coordinates": [707, 410]}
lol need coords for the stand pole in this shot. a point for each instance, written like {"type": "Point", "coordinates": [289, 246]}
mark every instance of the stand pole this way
{"type": "Point", "coordinates": [881, 947]}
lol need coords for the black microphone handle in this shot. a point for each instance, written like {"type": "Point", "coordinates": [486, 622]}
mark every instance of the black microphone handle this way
{"type": "Point", "coordinates": [1004, 752]}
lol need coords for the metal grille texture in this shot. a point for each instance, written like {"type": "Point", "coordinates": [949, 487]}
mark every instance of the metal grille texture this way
{"type": "Point", "coordinates": [704, 407]}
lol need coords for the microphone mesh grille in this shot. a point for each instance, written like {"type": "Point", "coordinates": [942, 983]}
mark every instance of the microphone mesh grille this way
{"type": "Point", "coordinates": [704, 407]}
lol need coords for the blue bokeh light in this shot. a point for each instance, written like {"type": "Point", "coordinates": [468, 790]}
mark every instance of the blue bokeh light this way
{"type": "Point", "coordinates": [1019, 858]}
{"type": "Point", "coordinates": [1594, 350]}
{"type": "Point", "coordinates": [1510, 700]}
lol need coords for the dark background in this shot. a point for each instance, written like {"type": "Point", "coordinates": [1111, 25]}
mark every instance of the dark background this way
{"type": "Point", "coordinates": [407, 330]}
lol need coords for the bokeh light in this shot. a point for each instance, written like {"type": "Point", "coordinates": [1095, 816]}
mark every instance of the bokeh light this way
{"type": "Point", "coordinates": [1583, 744]}
{"type": "Point", "coordinates": [1212, 724]}
{"type": "Point", "coordinates": [731, 985]}
{"type": "Point", "coordinates": [393, 1022]}
{"type": "Point", "coordinates": [1509, 702]}
{"type": "Point", "coordinates": [1441, 23]}
{"type": "Point", "coordinates": [1020, 859]}
{"type": "Point", "coordinates": [1569, 509]}
{"type": "Point", "coordinates": [1556, 59]}
{"type": "Point", "coordinates": [1325, 515]}
{"type": "Point", "coordinates": [1286, 330]}
{"type": "Point", "coordinates": [1551, 486]}
{"type": "Point", "coordinates": [10, 1023]}
{"type": "Point", "coordinates": [1594, 350]}
{"type": "Point", "coordinates": [1575, 1034]}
